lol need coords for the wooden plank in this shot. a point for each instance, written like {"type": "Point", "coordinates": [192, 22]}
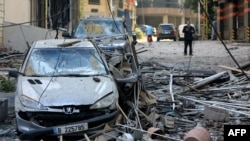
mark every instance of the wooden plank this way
{"type": "Point", "coordinates": [232, 69]}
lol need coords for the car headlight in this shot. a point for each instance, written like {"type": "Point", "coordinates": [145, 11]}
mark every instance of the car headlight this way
{"type": "Point", "coordinates": [31, 103]}
{"type": "Point", "coordinates": [104, 102]}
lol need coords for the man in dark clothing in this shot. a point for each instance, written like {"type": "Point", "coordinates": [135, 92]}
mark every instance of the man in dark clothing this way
{"type": "Point", "coordinates": [188, 31]}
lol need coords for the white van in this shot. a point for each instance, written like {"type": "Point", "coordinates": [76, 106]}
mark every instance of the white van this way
{"type": "Point", "coordinates": [180, 33]}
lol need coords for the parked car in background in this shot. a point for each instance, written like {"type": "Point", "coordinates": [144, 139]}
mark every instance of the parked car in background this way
{"type": "Point", "coordinates": [181, 34]}
{"type": "Point", "coordinates": [64, 86]}
{"type": "Point", "coordinates": [109, 33]}
{"type": "Point", "coordinates": [166, 31]}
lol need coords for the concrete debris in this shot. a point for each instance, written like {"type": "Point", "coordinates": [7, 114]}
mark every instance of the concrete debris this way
{"type": "Point", "coordinates": [215, 114]}
{"type": "Point", "coordinates": [3, 109]}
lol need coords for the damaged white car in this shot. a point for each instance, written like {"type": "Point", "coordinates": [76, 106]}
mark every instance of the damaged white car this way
{"type": "Point", "coordinates": [64, 87]}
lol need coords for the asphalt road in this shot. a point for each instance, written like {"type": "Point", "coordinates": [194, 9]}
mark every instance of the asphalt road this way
{"type": "Point", "coordinates": [207, 54]}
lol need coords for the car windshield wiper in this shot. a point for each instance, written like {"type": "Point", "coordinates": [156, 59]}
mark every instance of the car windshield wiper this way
{"type": "Point", "coordinates": [35, 75]}
{"type": "Point", "coordinates": [72, 75]}
{"type": "Point", "coordinates": [99, 74]}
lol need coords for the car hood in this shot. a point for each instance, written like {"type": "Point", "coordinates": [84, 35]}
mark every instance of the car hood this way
{"type": "Point", "coordinates": [117, 44]}
{"type": "Point", "coordinates": [58, 91]}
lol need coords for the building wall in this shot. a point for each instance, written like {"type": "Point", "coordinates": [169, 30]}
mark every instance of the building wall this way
{"type": "Point", "coordinates": [233, 20]}
{"type": "Point", "coordinates": [17, 38]}
{"type": "Point", "coordinates": [17, 11]}
{"type": "Point", "coordinates": [102, 9]}
{"type": "Point", "coordinates": [1, 20]}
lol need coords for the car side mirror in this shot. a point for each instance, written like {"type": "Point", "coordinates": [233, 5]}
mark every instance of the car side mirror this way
{"type": "Point", "coordinates": [14, 73]}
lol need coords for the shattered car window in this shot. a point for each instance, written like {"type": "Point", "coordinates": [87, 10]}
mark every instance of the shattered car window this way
{"type": "Point", "coordinates": [98, 28]}
{"type": "Point", "coordinates": [64, 61]}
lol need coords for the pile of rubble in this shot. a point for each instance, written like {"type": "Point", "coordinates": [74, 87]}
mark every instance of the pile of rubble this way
{"type": "Point", "coordinates": [182, 99]}
{"type": "Point", "coordinates": [182, 104]}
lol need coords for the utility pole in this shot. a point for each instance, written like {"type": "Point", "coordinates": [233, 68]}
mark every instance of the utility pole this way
{"type": "Point", "coordinates": [111, 7]}
{"type": "Point", "coordinates": [205, 20]}
{"type": "Point", "coordinates": [199, 19]}
{"type": "Point", "coordinates": [204, 33]}
{"type": "Point", "coordinates": [143, 18]}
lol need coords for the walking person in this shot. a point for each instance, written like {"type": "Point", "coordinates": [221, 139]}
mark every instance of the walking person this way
{"type": "Point", "coordinates": [188, 31]}
{"type": "Point", "coordinates": [149, 32]}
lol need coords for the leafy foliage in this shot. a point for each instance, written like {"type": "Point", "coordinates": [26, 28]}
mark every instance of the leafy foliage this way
{"type": "Point", "coordinates": [6, 85]}
{"type": "Point", "coordinates": [139, 33]}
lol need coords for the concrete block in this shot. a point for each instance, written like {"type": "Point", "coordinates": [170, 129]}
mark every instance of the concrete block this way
{"type": "Point", "coordinates": [215, 114]}
{"type": "Point", "coordinates": [3, 109]}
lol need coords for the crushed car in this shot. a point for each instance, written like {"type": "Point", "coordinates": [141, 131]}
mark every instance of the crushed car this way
{"type": "Point", "coordinates": [64, 86]}
{"type": "Point", "coordinates": [110, 33]}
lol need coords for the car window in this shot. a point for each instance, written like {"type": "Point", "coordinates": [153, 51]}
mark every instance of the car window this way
{"type": "Point", "coordinates": [167, 27]}
{"type": "Point", "coordinates": [63, 61]}
{"type": "Point", "coordinates": [99, 28]}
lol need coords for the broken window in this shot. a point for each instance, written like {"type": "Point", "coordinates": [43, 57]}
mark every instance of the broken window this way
{"type": "Point", "coordinates": [67, 61]}
{"type": "Point", "coordinates": [99, 28]}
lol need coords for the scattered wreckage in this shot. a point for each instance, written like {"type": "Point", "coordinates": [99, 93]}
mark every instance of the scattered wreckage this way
{"type": "Point", "coordinates": [153, 101]}
{"type": "Point", "coordinates": [175, 103]}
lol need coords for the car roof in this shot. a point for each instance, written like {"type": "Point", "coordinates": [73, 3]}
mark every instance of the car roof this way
{"type": "Point", "coordinates": [55, 43]}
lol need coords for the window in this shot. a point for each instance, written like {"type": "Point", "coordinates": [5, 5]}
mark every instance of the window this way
{"type": "Point", "coordinates": [94, 10]}
{"type": "Point", "coordinates": [96, 2]}
{"type": "Point", "coordinates": [121, 4]}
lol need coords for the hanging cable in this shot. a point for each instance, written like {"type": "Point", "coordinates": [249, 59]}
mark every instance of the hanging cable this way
{"type": "Point", "coordinates": [38, 20]}
{"type": "Point", "coordinates": [111, 13]}
{"type": "Point", "coordinates": [217, 34]}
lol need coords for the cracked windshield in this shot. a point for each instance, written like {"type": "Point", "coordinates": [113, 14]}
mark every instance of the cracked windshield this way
{"type": "Point", "coordinates": [99, 28]}
{"type": "Point", "coordinates": [64, 61]}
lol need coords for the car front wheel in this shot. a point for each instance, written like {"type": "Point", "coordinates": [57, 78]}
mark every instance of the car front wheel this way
{"type": "Point", "coordinates": [158, 39]}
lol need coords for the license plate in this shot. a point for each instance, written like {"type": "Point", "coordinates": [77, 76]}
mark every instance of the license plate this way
{"type": "Point", "coordinates": [70, 128]}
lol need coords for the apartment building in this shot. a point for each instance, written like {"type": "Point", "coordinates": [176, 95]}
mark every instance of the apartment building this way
{"type": "Point", "coordinates": [58, 13]}
{"type": "Point", "coordinates": [46, 16]}
{"type": "Point", "coordinates": [233, 17]}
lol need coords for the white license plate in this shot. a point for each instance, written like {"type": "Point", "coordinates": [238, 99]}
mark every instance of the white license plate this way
{"type": "Point", "coordinates": [166, 32]}
{"type": "Point", "coordinates": [70, 128]}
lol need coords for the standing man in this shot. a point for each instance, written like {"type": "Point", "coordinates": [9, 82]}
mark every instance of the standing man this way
{"type": "Point", "coordinates": [188, 31]}
{"type": "Point", "coordinates": [149, 32]}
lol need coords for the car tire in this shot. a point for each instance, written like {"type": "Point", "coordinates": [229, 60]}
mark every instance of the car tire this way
{"type": "Point", "coordinates": [174, 39]}
{"type": "Point", "coordinates": [158, 39]}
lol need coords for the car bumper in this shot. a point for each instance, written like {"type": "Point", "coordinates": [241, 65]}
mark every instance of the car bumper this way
{"type": "Point", "coordinates": [166, 36]}
{"type": "Point", "coordinates": [31, 129]}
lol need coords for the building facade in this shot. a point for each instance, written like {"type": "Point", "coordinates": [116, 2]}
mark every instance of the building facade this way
{"type": "Point", "coordinates": [2, 9]}
{"type": "Point", "coordinates": [233, 17]}
{"type": "Point", "coordinates": [51, 14]}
